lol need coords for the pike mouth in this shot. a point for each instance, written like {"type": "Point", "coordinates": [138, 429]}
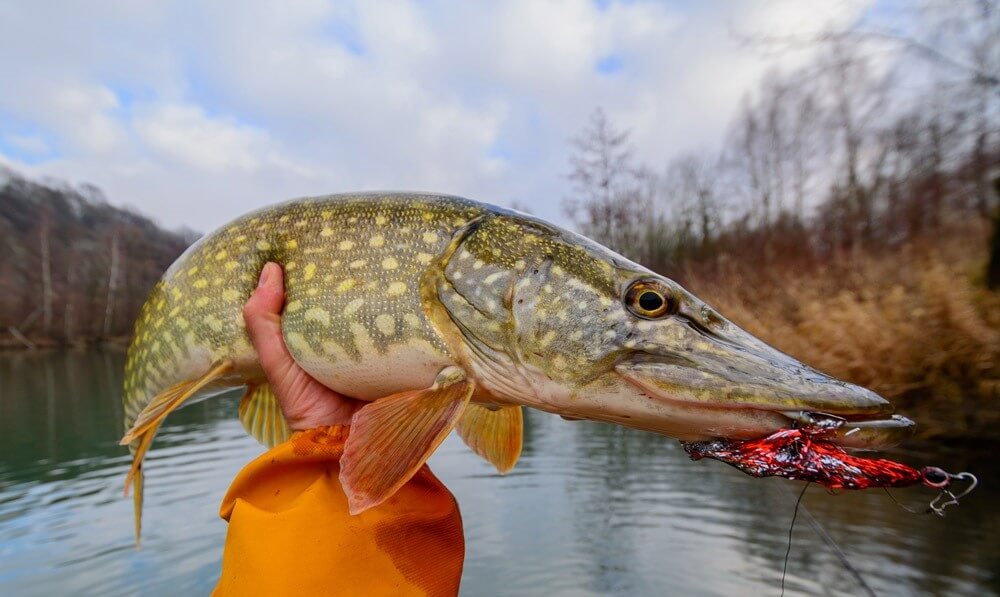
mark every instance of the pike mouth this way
{"type": "Point", "coordinates": [861, 432]}
{"type": "Point", "coordinates": [753, 405]}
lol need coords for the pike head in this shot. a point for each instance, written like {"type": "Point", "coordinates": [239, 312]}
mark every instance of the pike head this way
{"type": "Point", "coordinates": [549, 319]}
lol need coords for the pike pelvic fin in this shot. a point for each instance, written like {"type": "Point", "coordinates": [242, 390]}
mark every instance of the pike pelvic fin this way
{"type": "Point", "coordinates": [496, 435]}
{"type": "Point", "coordinates": [148, 422]}
{"type": "Point", "coordinates": [392, 437]}
{"type": "Point", "coordinates": [262, 417]}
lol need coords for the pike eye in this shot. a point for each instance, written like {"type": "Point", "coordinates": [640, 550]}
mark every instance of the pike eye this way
{"type": "Point", "coordinates": [650, 300]}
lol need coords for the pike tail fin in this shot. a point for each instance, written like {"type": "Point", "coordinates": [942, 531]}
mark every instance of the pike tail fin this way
{"type": "Point", "coordinates": [140, 436]}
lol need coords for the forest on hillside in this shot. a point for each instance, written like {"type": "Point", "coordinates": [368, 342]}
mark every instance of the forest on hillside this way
{"type": "Point", "coordinates": [851, 215]}
{"type": "Point", "coordinates": [75, 269]}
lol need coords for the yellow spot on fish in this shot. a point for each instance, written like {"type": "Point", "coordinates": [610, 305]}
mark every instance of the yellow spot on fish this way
{"type": "Point", "coordinates": [193, 271]}
{"type": "Point", "coordinates": [519, 264]}
{"type": "Point", "coordinates": [200, 283]}
{"type": "Point", "coordinates": [201, 302]}
{"type": "Point", "coordinates": [263, 245]}
{"type": "Point", "coordinates": [292, 244]}
{"type": "Point", "coordinates": [478, 264]}
{"type": "Point", "coordinates": [576, 335]}
{"type": "Point", "coordinates": [309, 272]}
{"type": "Point", "coordinates": [352, 307]}
{"type": "Point", "coordinates": [346, 245]}
{"type": "Point", "coordinates": [291, 265]}
{"type": "Point", "coordinates": [346, 285]}
{"type": "Point", "coordinates": [318, 315]}
{"type": "Point", "coordinates": [297, 342]}
{"type": "Point", "coordinates": [430, 237]}
{"type": "Point", "coordinates": [231, 265]}
{"type": "Point", "coordinates": [326, 214]}
{"type": "Point", "coordinates": [326, 232]}
{"type": "Point", "coordinates": [396, 289]}
{"type": "Point", "coordinates": [381, 220]}
{"type": "Point", "coordinates": [230, 294]}
{"type": "Point", "coordinates": [376, 241]}
{"type": "Point", "coordinates": [386, 324]}
{"type": "Point", "coordinates": [411, 320]}
{"type": "Point", "coordinates": [177, 293]}
{"type": "Point", "coordinates": [390, 263]}
{"type": "Point", "coordinates": [559, 362]}
{"type": "Point", "coordinates": [356, 263]}
{"type": "Point", "coordinates": [424, 257]}
{"type": "Point", "coordinates": [492, 277]}
{"type": "Point", "coordinates": [293, 306]}
{"type": "Point", "coordinates": [221, 255]}
{"type": "Point", "coordinates": [547, 338]}
{"type": "Point", "coordinates": [213, 323]}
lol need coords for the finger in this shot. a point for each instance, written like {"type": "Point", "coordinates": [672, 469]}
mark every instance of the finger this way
{"type": "Point", "coordinates": [262, 314]}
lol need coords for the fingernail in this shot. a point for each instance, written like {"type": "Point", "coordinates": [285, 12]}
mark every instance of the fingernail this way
{"type": "Point", "coordinates": [264, 275]}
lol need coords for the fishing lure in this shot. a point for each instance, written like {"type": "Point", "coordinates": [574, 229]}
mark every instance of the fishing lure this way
{"type": "Point", "coordinates": [803, 454]}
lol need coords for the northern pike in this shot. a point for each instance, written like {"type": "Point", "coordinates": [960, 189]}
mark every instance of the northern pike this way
{"type": "Point", "coordinates": [444, 313]}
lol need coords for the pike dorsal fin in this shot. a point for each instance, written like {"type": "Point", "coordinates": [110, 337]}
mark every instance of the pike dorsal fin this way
{"type": "Point", "coordinates": [496, 434]}
{"type": "Point", "coordinates": [392, 437]}
{"type": "Point", "coordinates": [262, 417]}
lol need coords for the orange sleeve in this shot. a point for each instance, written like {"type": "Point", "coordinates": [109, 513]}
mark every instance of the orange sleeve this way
{"type": "Point", "coordinates": [290, 532]}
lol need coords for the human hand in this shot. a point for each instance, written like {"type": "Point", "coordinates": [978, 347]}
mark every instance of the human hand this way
{"type": "Point", "coordinates": [305, 402]}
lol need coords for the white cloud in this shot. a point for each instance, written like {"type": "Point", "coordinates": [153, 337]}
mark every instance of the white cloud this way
{"type": "Point", "coordinates": [192, 139]}
{"type": "Point", "coordinates": [195, 113]}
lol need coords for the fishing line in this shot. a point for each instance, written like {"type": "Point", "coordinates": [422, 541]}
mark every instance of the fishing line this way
{"type": "Point", "coordinates": [845, 562]}
{"type": "Point", "coordinates": [791, 527]}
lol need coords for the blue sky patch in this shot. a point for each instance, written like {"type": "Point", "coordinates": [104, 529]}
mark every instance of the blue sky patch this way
{"type": "Point", "coordinates": [610, 64]}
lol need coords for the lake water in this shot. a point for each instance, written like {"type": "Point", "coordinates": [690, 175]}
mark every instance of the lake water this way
{"type": "Point", "coordinates": [590, 510]}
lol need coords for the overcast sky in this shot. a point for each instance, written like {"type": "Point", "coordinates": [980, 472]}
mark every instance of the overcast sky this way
{"type": "Point", "coordinates": [195, 112]}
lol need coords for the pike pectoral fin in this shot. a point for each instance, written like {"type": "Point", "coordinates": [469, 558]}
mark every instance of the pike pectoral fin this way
{"type": "Point", "coordinates": [495, 435]}
{"type": "Point", "coordinates": [262, 417]}
{"type": "Point", "coordinates": [140, 436]}
{"type": "Point", "coordinates": [392, 437]}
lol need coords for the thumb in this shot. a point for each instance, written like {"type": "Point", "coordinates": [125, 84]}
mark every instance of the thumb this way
{"type": "Point", "coordinates": [262, 314]}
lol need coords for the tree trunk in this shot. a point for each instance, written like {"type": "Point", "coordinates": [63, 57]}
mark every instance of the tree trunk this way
{"type": "Point", "coordinates": [993, 269]}
{"type": "Point", "coordinates": [109, 304]}
{"type": "Point", "coordinates": [45, 233]}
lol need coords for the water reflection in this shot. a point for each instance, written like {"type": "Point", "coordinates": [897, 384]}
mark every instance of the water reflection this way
{"type": "Point", "coordinates": [591, 509]}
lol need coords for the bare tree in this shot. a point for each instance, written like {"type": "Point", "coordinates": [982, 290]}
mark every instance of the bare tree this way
{"type": "Point", "coordinates": [45, 234]}
{"type": "Point", "coordinates": [691, 185]}
{"type": "Point", "coordinates": [611, 193]}
{"type": "Point", "coordinates": [113, 276]}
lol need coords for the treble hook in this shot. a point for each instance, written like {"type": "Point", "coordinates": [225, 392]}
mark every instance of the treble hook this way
{"type": "Point", "coordinates": [936, 478]}
{"type": "Point", "coordinates": [947, 497]}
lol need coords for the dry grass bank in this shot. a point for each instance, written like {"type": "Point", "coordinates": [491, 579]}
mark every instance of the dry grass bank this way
{"type": "Point", "coordinates": [915, 325]}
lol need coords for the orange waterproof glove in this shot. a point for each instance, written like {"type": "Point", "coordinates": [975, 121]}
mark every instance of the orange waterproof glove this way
{"type": "Point", "coordinates": [290, 532]}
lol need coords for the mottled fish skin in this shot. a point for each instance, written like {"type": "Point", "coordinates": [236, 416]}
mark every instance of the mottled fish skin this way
{"type": "Point", "coordinates": [352, 278]}
{"type": "Point", "coordinates": [384, 291]}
